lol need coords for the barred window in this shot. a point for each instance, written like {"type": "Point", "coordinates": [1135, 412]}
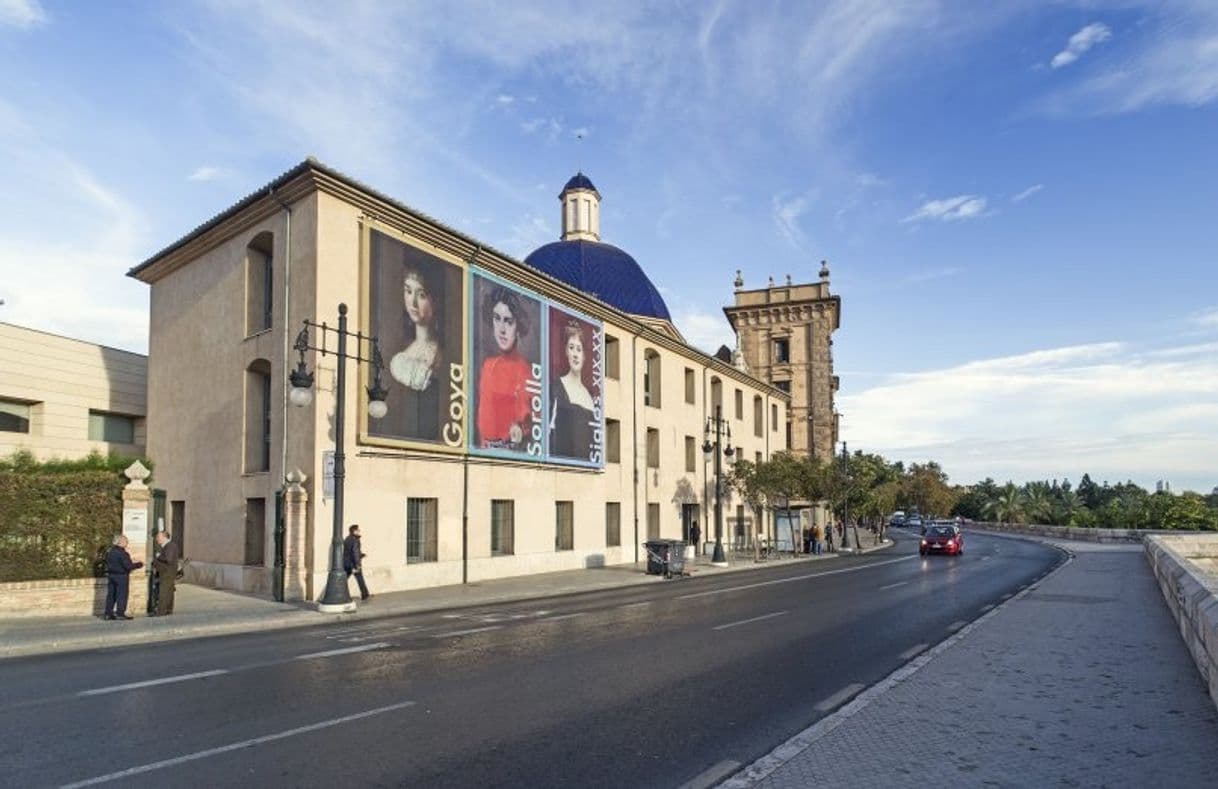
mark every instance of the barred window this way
{"type": "Point", "coordinates": [564, 531]}
{"type": "Point", "coordinates": [420, 530]}
{"type": "Point", "coordinates": [503, 527]}
{"type": "Point", "coordinates": [613, 524]}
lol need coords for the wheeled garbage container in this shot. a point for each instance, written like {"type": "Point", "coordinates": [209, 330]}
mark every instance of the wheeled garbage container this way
{"type": "Point", "coordinates": [665, 557]}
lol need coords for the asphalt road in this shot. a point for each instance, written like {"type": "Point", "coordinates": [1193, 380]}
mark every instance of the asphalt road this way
{"type": "Point", "coordinates": [654, 686]}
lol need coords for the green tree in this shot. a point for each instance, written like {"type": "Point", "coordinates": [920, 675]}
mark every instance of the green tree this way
{"type": "Point", "coordinates": [1006, 507]}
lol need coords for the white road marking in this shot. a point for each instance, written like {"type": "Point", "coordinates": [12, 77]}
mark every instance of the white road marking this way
{"type": "Point", "coordinates": [750, 621]}
{"type": "Point", "coordinates": [913, 651]}
{"type": "Point", "coordinates": [893, 586]}
{"type": "Point", "coordinates": [467, 632]}
{"type": "Point", "coordinates": [986, 607]}
{"type": "Point", "coordinates": [954, 626]}
{"type": "Point", "coordinates": [793, 578]}
{"type": "Point", "coordinates": [839, 697]}
{"type": "Point", "coordinates": [562, 616]}
{"type": "Point", "coordinates": [711, 776]}
{"type": "Point", "coordinates": [150, 682]}
{"type": "Point", "coordinates": [637, 605]}
{"type": "Point", "coordinates": [346, 651]}
{"type": "Point", "coordinates": [146, 768]}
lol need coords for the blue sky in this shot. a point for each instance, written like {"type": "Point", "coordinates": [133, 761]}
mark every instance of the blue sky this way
{"type": "Point", "coordinates": [1016, 199]}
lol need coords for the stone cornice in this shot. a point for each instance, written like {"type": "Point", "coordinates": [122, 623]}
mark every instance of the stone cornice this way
{"type": "Point", "coordinates": [784, 312]}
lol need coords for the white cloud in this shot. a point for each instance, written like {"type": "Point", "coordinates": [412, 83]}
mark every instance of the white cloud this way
{"type": "Point", "coordinates": [950, 209]}
{"type": "Point", "coordinates": [22, 14]}
{"type": "Point", "coordinates": [1107, 409]}
{"type": "Point", "coordinates": [787, 213]}
{"type": "Point", "coordinates": [704, 330]}
{"type": "Point", "coordinates": [504, 99]}
{"type": "Point", "coordinates": [1026, 193]}
{"type": "Point", "coordinates": [1206, 319]}
{"type": "Point", "coordinates": [1080, 42]}
{"type": "Point", "coordinates": [205, 174]}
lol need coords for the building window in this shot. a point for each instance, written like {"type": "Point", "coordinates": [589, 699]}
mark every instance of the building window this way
{"type": "Point", "coordinates": [258, 416]}
{"type": "Point", "coordinates": [689, 386]}
{"type": "Point", "coordinates": [757, 458]}
{"type": "Point", "coordinates": [782, 351]}
{"type": "Point", "coordinates": [788, 435]}
{"type": "Point", "coordinates": [115, 428]}
{"type": "Point", "coordinates": [177, 524]}
{"type": "Point", "coordinates": [420, 530]}
{"type": "Point", "coordinates": [564, 525]}
{"type": "Point", "coordinates": [503, 527]}
{"type": "Point", "coordinates": [691, 454]}
{"type": "Point", "coordinates": [612, 357]}
{"type": "Point", "coordinates": [758, 417]}
{"type": "Point", "coordinates": [258, 284]}
{"type": "Point", "coordinates": [651, 379]}
{"type": "Point", "coordinates": [255, 532]}
{"type": "Point", "coordinates": [15, 417]}
{"type": "Point", "coordinates": [613, 524]}
{"type": "Point", "coordinates": [653, 448]}
{"type": "Point", "coordinates": [783, 386]}
{"type": "Point", "coordinates": [739, 404]}
{"type": "Point", "coordinates": [774, 417]}
{"type": "Point", "coordinates": [716, 394]}
{"type": "Point", "coordinates": [613, 441]}
{"type": "Point", "coordinates": [653, 521]}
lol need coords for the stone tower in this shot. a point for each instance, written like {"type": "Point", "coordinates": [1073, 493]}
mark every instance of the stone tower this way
{"type": "Point", "coordinates": [785, 334]}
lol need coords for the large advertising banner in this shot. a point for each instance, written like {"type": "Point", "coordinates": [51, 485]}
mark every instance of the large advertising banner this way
{"type": "Point", "coordinates": [576, 405]}
{"type": "Point", "coordinates": [416, 310]}
{"type": "Point", "coordinates": [506, 331]}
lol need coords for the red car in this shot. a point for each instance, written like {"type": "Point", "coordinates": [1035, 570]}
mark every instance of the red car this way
{"type": "Point", "coordinates": [942, 539]}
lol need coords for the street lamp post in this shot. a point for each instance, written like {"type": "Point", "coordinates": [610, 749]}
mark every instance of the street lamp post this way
{"type": "Point", "coordinates": [845, 498]}
{"type": "Point", "coordinates": [720, 429]}
{"type": "Point", "coordinates": [337, 597]}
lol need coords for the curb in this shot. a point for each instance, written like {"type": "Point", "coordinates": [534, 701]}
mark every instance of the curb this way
{"type": "Point", "coordinates": [793, 747]}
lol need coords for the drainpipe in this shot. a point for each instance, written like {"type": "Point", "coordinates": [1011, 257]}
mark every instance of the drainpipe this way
{"type": "Point", "coordinates": [287, 363]}
{"type": "Point", "coordinates": [634, 429]}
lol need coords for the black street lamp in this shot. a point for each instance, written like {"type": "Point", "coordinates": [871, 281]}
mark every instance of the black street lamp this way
{"type": "Point", "coordinates": [709, 450]}
{"type": "Point", "coordinates": [337, 597]}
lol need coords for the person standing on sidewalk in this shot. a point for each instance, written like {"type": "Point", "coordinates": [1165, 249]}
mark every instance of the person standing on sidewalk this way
{"type": "Point", "coordinates": [829, 538]}
{"type": "Point", "coordinates": [353, 560]}
{"type": "Point", "coordinates": [695, 537]}
{"type": "Point", "coordinates": [166, 564]}
{"type": "Point", "coordinates": [118, 577]}
{"type": "Point", "coordinates": [818, 534]}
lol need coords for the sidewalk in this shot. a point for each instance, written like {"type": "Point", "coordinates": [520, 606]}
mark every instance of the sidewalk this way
{"type": "Point", "coordinates": [1080, 680]}
{"type": "Point", "coordinates": [201, 611]}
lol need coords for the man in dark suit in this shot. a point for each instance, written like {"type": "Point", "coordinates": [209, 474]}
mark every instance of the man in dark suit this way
{"type": "Point", "coordinates": [166, 564]}
{"type": "Point", "coordinates": [353, 560]}
{"type": "Point", "coordinates": [118, 576]}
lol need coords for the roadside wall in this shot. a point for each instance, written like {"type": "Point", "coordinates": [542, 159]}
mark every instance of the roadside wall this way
{"type": "Point", "coordinates": [75, 597]}
{"type": "Point", "coordinates": [1186, 567]}
{"type": "Point", "coordinates": [1069, 532]}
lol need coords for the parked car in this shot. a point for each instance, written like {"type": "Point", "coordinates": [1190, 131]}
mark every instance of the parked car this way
{"type": "Point", "coordinates": [942, 538]}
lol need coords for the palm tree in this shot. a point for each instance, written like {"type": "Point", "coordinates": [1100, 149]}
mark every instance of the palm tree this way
{"type": "Point", "coordinates": [1037, 504]}
{"type": "Point", "coordinates": [1006, 507]}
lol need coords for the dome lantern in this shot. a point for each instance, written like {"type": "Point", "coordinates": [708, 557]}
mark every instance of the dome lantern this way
{"type": "Point", "coordinates": [581, 210]}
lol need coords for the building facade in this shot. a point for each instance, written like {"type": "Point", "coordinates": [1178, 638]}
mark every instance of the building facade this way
{"type": "Point", "coordinates": [542, 415]}
{"type": "Point", "coordinates": [65, 398]}
{"type": "Point", "coordinates": [785, 335]}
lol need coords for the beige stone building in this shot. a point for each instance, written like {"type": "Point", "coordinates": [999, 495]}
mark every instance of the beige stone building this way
{"type": "Point", "coordinates": [65, 398]}
{"type": "Point", "coordinates": [452, 484]}
{"type": "Point", "coordinates": [785, 335]}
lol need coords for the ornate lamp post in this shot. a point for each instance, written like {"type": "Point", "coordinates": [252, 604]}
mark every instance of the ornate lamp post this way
{"type": "Point", "coordinates": [720, 429]}
{"type": "Point", "coordinates": [337, 597]}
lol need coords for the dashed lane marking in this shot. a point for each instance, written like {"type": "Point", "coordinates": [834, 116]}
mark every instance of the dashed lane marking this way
{"type": "Point", "coordinates": [750, 621]}
{"type": "Point", "coordinates": [470, 631]}
{"type": "Point", "coordinates": [792, 579]}
{"type": "Point", "coordinates": [345, 651]}
{"type": "Point", "coordinates": [838, 698]}
{"type": "Point", "coordinates": [150, 682]}
{"type": "Point", "coordinates": [190, 757]}
{"type": "Point", "coordinates": [893, 586]}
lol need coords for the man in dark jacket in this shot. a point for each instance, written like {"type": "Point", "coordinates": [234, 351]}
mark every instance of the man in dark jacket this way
{"type": "Point", "coordinates": [353, 560]}
{"type": "Point", "coordinates": [166, 564]}
{"type": "Point", "coordinates": [118, 576]}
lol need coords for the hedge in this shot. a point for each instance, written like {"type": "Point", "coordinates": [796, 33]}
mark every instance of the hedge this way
{"type": "Point", "coordinates": [58, 518]}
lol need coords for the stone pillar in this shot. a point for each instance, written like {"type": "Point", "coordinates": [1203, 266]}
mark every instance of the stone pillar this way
{"type": "Point", "coordinates": [137, 514]}
{"type": "Point", "coordinates": [295, 521]}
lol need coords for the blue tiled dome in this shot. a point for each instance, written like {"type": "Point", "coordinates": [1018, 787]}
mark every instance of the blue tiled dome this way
{"type": "Point", "coordinates": [601, 270]}
{"type": "Point", "coordinates": [580, 181]}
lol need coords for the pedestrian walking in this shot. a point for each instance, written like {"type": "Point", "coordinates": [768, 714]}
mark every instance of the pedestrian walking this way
{"type": "Point", "coordinates": [353, 560]}
{"type": "Point", "coordinates": [695, 536]}
{"type": "Point", "coordinates": [165, 562]}
{"type": "Point", "coordinates": [118, 578]}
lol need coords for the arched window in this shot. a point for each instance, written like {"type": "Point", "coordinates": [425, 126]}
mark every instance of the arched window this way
{"type": "Point", "coordinates": [258, 281]}
{"type": "Point", "coordinates": [258, 416]}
